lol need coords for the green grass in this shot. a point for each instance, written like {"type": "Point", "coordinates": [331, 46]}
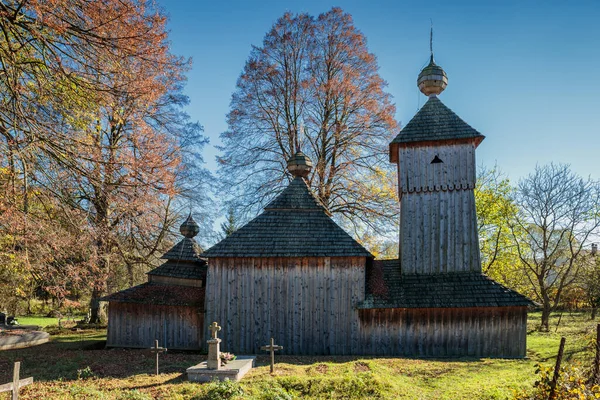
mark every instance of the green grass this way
{"type": "Point", "coordinates": [43, 321]}
{"type": "Point", "coordinates": [127, 374]}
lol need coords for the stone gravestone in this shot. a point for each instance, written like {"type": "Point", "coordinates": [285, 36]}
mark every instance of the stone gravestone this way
{"type": "Point", "coordinates": [212, 369]}
{"type": "Point", "coordinates": [214, 353]}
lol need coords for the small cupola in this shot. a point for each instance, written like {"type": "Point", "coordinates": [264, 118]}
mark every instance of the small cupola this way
{"type": "Point", "coordinates": [299, 165]}
{"type": "Point", "coordinates": [433, 79]}
{"type": "Point", "coordinates": [189, 228]}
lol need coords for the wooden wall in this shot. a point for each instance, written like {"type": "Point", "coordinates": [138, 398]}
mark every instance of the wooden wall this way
{"type": "Point", "coordinates": [438, 233]}
{"type": "Point", "coordinates": [416, 173]}
{"type": "Point", "coordinates": [138, 325]}
{"type": "Point", "coordinates": [307, 304]}
{"type": "Point", "coordinates": [445, 332]}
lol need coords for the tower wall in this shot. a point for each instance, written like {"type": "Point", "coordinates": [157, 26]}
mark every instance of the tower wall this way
{"type": "Point", "coordinates": [438, 230]}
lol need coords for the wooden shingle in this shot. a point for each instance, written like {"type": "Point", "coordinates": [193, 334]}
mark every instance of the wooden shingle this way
{"type": "Point", "coordinates": [294, 224]}
{"type": "Point", "coordinates": [159, 294]}
{"type": "Point", "coordinates": [457, 289]}
{"type": "Point", "coordinates": [433, 122]}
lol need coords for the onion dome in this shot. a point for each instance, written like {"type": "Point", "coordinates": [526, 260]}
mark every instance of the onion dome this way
{"type": "Point", "coordinates": [299, 165]}
{"type": "Point", "coordinates": [432, 79]}
{"type": "Point", "coordinates": [189, 228]}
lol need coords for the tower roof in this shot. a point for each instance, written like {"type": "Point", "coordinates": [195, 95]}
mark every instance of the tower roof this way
{"type": "Point", "coordinates": [183, 259]}
{"type": "Point", "coordinates": [294, 224]}
{"type": "Point", "coordinates": [434, 122]}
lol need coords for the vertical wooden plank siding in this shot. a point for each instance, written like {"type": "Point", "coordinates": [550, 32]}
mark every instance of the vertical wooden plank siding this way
{"type": "Point", "coordinates": [438, 231]}
{"type": "Point", "coordinates": [444, 332]}
{"type": "Point", "coordinates": [138, 325]}
{"type": "Point", "coordinates": [308, 304]}
{"type": "Point", "coordinates": [416, 173]}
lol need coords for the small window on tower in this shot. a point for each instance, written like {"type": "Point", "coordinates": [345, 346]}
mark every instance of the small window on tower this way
{"type": "Point", "coordinates": [436, 160]}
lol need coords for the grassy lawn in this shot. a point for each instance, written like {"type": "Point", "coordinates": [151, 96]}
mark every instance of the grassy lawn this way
{"type": "Point", "coordinates": [126, 374]}
{"type": "Point", "coordinates": [39, 321]}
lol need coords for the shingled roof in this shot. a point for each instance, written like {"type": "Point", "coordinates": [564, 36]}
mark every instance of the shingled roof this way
{"type": "Point", "coordinates": [433, 122]}
{"type": "Point", "coordinates": [294, 224]}
{"type": "Point", "coordinates": [183, 270]}
{"type": "Point", "coordinates": [187, 249]}
{"type": "Point", "coordinates": [388, 288]}
{"type": "Point", "coordinates": [160, 294]}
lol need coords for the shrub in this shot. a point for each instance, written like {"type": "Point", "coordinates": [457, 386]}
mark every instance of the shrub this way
{"type": "Point", "coordinates": [572, 384]}
{"type": "Point", "coordinates": [222, 390]}
{"type": "Point", "coordinates": [275, 393]}
{"type": "Point", "coordinates": [85, 373]}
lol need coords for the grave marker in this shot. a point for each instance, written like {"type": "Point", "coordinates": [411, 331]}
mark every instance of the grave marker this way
{"type": "Point", "coordinates": [17, 383]}
{"type": "Point", "coordinates": [157, 349]}
{"type": "Point", "coordinates": [272, 348]}
{"type": "Point", "coordinates": [214, 353]}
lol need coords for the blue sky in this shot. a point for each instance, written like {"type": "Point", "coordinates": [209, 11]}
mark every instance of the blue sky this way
{"type": "Point", "coordinates": [525, 74]}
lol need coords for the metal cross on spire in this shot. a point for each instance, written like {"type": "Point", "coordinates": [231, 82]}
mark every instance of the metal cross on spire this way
{"type": "Point", "coordinates": [431, 39]}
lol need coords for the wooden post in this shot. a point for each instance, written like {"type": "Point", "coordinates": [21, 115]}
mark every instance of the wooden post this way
{"type": "Point", "coordinates": [156, 349]}
{"type": "Point", "coordinates": [558, 323]}
{"type": "Point", "coordinates": [16, 383]}
{"type": "Point", "coordinates": [272, 348]}
{"type": "Point", "coordinates": [561, 349]}
{"type": "Point", "coordinates": [596, 375]}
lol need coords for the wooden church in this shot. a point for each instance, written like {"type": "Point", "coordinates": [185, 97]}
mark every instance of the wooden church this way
{"type": "Point", "coordinates": [293, 274]}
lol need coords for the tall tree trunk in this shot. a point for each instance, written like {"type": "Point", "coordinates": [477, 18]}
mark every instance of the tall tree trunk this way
{"type": "Point", "coordinates": [96, 314]}
{"type": "Point", "coordinates": [544, 326]}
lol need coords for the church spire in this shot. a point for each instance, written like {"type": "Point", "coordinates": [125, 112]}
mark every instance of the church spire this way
{"type": "Point", "coordinates": [433, 79]}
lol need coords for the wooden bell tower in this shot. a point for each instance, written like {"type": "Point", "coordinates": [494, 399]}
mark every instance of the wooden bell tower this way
{"type": "Point", "coordinates": [435, 154]}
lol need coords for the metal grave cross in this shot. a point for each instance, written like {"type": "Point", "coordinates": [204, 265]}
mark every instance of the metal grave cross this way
{"type": "Point", "coordinates": [16, 383]}
{"type": "Point", "coordinates": [272, 348]}
{"type": "Point", "coordinates": [214, 328]}
{"type": "Point", "coordinates": [157, 349]}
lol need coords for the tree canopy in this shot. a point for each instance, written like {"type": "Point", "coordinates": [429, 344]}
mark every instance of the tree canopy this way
{"type": "Point", "coordinates": [312, 86]}
{"type": "Point", "coordinates": [99, 152]}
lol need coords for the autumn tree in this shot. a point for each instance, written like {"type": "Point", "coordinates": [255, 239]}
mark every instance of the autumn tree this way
{"type": "Point", "coordinates": [92, 113]}
{"type": "Point", "coordinates": [557, 213]}
{"type": "Point", "coordinates": [312, 86]}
